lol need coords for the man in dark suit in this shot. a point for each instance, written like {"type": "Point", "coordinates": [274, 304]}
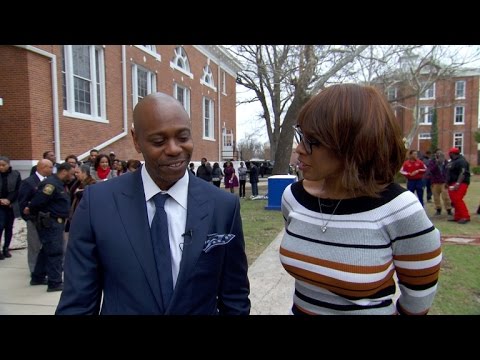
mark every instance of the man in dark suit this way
{"type": "Point", "coordinates": [28, 188]}
{"type": "Point", "coordinates": [207, 248]}
{"type": "Point", "coordinates": [49, 155]}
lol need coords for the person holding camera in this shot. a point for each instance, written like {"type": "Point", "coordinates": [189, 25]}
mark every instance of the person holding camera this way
{"type": "Point", "coordinates": [51, 205]}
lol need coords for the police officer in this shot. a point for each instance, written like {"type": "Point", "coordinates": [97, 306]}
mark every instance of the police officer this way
{"type": "Point", "coordinates": [51, 204]}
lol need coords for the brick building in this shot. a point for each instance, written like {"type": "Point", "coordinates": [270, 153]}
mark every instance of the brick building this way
{"type": "Point", "coordinates": [456, 100]}
{"type": "Point", "coordinates": [73, 98]}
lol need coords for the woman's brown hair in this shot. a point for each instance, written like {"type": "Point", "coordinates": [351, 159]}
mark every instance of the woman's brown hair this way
{"type": "Point", "coordinates": [357, 123]}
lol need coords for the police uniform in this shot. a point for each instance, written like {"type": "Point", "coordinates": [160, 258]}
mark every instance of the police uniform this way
{"type": "Point", "coordinates": [51, 203]}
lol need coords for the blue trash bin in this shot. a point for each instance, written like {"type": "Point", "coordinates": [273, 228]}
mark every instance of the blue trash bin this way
{"type": "Point", "coordinates": [276, 186]}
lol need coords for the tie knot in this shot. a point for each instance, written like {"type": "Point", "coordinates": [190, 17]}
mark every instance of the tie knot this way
{"type": "Point", "coordinates": [159, 200]}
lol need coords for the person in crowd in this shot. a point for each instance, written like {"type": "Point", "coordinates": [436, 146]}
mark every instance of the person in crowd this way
{"type": "Point", "coordinates": [350, 229]}
{"type": "Point", "coordinates": [254, 179]}
{"type": "Point", "coordinates": [50, 155]}
{"type": "Point", "coordinates": [51, 205]}
{"type": "Point", "coordinates": [192, 168]}
{"type": "Point", "coordinates": [217, 174]}
{"type": "Point", "coordinates": [92, 158]}
{"type": "Point", "coordinates": [204, 171]}
{"type": "Point", "coordinates": [9, 184]}
{"type": "Point", "coordinates": [177, 246]}
{"type": "Point", "coordinates": [28, 188]}
{"type": "Point", "coordinates": [414, 170]}
{"type": "Point", "coordinates": [458, 180]}
{"type": "Point", "coordinates": [133, 165]}
{"type": "Point", "coordinates": [231, 180]}
{"type": "Point", "coordinates": [102, 169]}
{"type": "Point", "coordinates": [112, 157]}
{"type": "Point", "coordinates": [73, 161]}
{"type": "Point", "coordinates": [427, 183]}
{"type": "Point", "coordinates": [84, 179]}
{"type": "Point", "coordinates": [437, 170]}
{"type": "Point", "coordinates": [242, 176]}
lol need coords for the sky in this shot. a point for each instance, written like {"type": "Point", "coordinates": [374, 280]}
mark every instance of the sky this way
{"type": "Point", "coordinates": [248, 116]}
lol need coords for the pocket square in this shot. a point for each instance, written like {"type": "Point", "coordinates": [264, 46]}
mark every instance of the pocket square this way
{"type": "Point", "coordinates": [216, 240]}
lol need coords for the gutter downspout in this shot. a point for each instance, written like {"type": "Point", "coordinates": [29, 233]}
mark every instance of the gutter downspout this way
{"type": "Point", "coordinates": [220, 134]}
{"type": "Point", "coordinates": [124, 108]}
{"type": "Point", "coordinates": [56, 121]}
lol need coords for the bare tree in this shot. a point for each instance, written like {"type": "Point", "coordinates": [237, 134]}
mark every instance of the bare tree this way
{"type": "Point", "coordinates": [414, 70]}
{"type": "Point", "coordinates": [283, 78]}
{"type": "Point", "coordinates": [250, 148]}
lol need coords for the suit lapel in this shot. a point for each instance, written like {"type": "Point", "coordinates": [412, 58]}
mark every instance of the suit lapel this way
{"type": "Point", "coordinates": [199, 213]}
{"type": "Point", "coordinates": [133, 212]}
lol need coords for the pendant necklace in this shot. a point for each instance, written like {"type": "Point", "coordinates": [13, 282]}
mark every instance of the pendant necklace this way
{"type": "Point", "coordinates": [325, 223]}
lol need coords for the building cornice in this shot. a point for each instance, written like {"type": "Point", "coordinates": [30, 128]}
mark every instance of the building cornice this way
{"type": "Point", "coordinates": [221, 56]}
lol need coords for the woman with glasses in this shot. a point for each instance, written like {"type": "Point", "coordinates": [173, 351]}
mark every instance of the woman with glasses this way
{"type": "Point", "coordinates": [350, 230]}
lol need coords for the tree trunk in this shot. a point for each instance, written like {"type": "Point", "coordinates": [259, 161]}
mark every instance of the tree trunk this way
{"type": "Point", "coordinates": [284, 152]}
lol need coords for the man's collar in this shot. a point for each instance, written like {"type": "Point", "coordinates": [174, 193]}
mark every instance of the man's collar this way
{"type": "Point", "coordinates": [179, 190]}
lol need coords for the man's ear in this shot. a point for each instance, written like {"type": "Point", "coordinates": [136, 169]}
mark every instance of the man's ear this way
{"type": "Point", "coordinates": [135, 140]}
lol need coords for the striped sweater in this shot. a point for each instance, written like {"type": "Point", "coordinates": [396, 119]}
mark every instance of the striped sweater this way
{"type": "Point", "coordinates": [349, 268]}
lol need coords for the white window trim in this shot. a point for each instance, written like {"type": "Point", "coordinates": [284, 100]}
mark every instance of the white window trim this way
{"type": "Point", "coordinates": [156, 55]}
{"type": "Point", "coordinates": [464, 89]}
{"type": "Point", "coordinates": [209, 73]}
{"type": "Point", "coordinates": [151, 83]}
{"type": "Point", "coordinates": [187, 93]}
{"type": "Point", "coordinates": [208, 85]}
{"type": "Point", "coordinates": [394, 95]}
{"type": "Point", "coordinates": [423, 92]}
{"type": "Point", "coordinates": [224, 82]}
{"type": "Point", "coordinates": [175, 67]}
{"type": "Point", "coordinates": [425, 115]}
{"type": "Point", "coordinates": [459, 135]}
{"type": "Point", "coordinates": [212, 119]}
{"type": "Point", "coordinates": [455, 115]}
{"type": "Point", "coordinates": [70, 112]}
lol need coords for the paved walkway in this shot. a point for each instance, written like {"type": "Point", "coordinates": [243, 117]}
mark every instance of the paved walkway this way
{"type": "Point", "coordinates": [271, 288]}
{"type": "Point", "coordinates": [17, 297]}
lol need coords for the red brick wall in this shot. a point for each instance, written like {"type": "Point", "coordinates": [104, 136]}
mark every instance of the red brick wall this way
{"type": "Point", "coordinates": [15, 122]}
{"type": "Point", "coordinates": [445, 102]}
{"type": "Point", "coordinates": [27, 114]}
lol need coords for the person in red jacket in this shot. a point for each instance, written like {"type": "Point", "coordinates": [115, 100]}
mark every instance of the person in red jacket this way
{"type": "Point", "coordinates": [414, 169]}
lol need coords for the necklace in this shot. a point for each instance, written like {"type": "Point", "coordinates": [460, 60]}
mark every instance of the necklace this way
{"type": "Point", "coordinates": [324, 224]}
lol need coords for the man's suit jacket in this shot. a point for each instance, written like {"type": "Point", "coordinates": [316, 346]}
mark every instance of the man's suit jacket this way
{"type": "Point", "coordinates": [28, 188]}
{"type": "Point", "coordinates": [110, 250]}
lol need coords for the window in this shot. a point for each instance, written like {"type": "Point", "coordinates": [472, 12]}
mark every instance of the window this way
{"type": "Point", "coordinates": [426, 115]}
{"type": "Point", "coordinates": [151, 50]}
{"type": "Point", "coordinates": [207, 78]}
{"type": "Point", "coordinates": [424, 136]}
{"type": "Point", "coordinates": [460, 89]}
{"type": "Point", "coordinates": [224, 82]}
{"type": "Point", "coordinates": [459, 115]}
{"type": "Point", "coordinates": [208, 121]}
{"type": "Point", "coordinates": [392, 94]}
{"type": "Point", "coordinates": [458, 141]}
{"type": "Point", "coordinates": [144, 82]}
{"type": "Point", "coordinates": [182, 94]}
{"type": "Point", "coordinates": [180, 61]}
{"type": "Point", "coordinates": [83, 81]}
{"type": "Point", "coordinates": [428, 93]}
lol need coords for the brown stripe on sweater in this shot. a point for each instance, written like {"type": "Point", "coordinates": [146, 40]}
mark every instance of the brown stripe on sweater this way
{"type": "Point", "coordinates": [357, 269]}
{"type": "Point", "coordinates": [419, 257]}
{"type": "Point", "coordinates": [344, 288]}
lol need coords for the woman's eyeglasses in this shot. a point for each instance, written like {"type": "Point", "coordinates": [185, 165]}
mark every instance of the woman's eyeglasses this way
{"type": "Point", "coordinates": [300, 138]}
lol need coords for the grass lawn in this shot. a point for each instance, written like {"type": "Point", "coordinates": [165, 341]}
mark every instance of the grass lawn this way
{"type": "Point", "coordinates": [459, 284]}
